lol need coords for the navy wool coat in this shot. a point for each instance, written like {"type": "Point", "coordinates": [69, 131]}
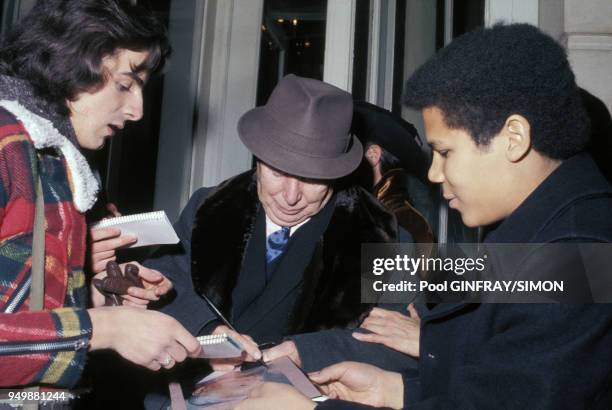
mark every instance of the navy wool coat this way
{"type": "Point", "coordinates": [524, 356]}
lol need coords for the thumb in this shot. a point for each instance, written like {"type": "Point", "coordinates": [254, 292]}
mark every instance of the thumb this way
{"type": "Point", "coordinates": [112, 208]}
{"type": "Point", "coordinates": [413, 312]}
{"type": "Point", "coordinates": [150, 275]}
{"type": "Point", "coordinates": [276, 352]}
{"type": "Point", "coordinates": [328, 374]}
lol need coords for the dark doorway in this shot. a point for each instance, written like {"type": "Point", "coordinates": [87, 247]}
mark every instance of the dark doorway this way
{"type": "Point", "coordinates": [292, 41]}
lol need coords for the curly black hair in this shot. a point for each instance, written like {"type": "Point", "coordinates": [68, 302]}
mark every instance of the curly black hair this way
{"type": "Point", "coordinates": [486, 75]}
{"type": "Point", "coordinates": [60, 45]}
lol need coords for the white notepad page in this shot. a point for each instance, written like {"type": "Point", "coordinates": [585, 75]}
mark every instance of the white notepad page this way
{"type": "Point", "coordinates": [151, 228]}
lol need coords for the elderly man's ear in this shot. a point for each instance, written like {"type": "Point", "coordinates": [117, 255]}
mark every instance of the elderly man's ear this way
{"type": "Point", "coordinates": [373, 154]}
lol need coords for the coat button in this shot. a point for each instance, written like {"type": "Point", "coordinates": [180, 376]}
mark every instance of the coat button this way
{"type": "Point", "coordinates": [431, 356]}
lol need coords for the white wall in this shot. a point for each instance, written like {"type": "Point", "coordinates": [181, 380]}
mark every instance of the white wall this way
{"type": "Point", "coordinates": [584, 27]}
{"type": "Point", "coordinates": [381, 50]}
{"type": "Point", "coordinates": [228, 78]}
{"type": "Point", "coordinates": [551, 19]}
{"type": "Point", "coordinates": [588, 25]}
{"type": "Point", "coordinates": [212, 81]}
{"type": "Point", "coordinates": [339, 37]}
{"type": "Point", "coordinates": [177, 116]}
{"type": "Point", "coordinates": [511, 11]}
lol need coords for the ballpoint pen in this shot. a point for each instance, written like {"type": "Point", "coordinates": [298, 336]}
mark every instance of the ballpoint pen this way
{"type": "Point", "coordinates": [226, 322]}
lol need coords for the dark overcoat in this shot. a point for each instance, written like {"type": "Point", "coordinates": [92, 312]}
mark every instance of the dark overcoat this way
{"type": "Point", "coordinates": [524, 356]}
{"type": "Point", "coordinates": [315, 284]}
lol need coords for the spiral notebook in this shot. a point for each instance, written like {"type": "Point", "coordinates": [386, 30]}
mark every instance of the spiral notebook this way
{"type": "Point", "coordinates": [151, 228]}
{"type": "Point", "coordinates": [219, 347]}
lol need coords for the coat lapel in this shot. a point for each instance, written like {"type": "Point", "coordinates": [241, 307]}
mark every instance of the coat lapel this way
{"type": "Point", "coordinates": [288, 274]}
{"type": "Point", "coordinates": [221, 233]}
{"type": "Point", "coordinates": [252, 277]}
{"type": "Point", "coordinates": [317, 281]}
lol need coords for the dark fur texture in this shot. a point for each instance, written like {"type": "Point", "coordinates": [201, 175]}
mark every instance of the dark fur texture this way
{"type": "Point", "coordinates": [330, 293]}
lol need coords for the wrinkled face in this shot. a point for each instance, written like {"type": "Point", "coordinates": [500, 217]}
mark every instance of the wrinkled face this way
{"type": "Point", "coordinates": [290, 200]}
{"type": "Point", "coordinates": [473, 177]}
{"type": "Point", "coordinates": [97, 115]}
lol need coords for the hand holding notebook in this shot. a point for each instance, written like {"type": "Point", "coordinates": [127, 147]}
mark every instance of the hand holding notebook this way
{"type": "Point", "coordinates": [220, 347]}
{"type": "Point", "coordinates": [151, 228]}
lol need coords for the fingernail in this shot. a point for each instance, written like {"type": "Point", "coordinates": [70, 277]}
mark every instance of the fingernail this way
{"type": "Point", "coordinates": [257, 355]}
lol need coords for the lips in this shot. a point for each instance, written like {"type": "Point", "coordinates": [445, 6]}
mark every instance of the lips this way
{"type": "Point", "coordinates": [289, 212]}
{"type": "Point", "coordinates": [114, 128]}
{"type": "Point", "coordinates": [452, 200]}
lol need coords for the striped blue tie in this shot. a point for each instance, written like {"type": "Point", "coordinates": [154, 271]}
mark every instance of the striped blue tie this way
{"type": "Point", "coordinates": [276, 244]}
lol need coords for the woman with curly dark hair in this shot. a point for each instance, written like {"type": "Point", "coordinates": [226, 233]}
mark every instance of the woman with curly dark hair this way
{"type": "Point", "coordinates": [71, 75]}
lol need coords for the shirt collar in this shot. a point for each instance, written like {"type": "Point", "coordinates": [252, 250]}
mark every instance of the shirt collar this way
{"type": "Point", "coordinates": [271, 227]}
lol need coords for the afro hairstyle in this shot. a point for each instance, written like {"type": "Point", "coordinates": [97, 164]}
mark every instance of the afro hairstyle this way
{"type": "Point", "coordinates": [486, 75]}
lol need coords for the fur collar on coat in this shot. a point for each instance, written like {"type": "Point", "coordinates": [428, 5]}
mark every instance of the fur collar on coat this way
{"type": "Point", "coordinates": [330, 292]}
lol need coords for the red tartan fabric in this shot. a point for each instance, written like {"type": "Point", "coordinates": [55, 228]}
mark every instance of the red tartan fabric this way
{"type": "Point", "coordinates": [60, 333]}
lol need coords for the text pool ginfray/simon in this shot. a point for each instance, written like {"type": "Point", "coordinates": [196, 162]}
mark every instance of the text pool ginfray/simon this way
{"type": "Point", "coordinates": [491, 273]}
{"type": "Point", "coordinates": [471, 286]}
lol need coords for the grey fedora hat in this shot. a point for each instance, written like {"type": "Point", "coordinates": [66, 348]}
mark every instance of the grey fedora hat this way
{"type": "Point", "coordinates": [303, 130]}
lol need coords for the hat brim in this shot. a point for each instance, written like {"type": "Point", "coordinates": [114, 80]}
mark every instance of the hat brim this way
{"type": "Point", "coordinates": [379, 126]}
{"type": "Point", "coordinates": [261, 134]}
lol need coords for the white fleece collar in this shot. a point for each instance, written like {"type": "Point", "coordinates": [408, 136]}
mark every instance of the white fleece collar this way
{"type": "Point", "coordinates": [84, 185]}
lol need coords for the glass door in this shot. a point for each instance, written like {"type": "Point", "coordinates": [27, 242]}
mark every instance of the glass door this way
{"type": "Point", "coordinates": [292, 41]}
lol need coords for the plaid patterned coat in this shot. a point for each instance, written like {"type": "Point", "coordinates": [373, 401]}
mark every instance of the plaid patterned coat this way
{"type": "Point", "coordinates": [49, 346]}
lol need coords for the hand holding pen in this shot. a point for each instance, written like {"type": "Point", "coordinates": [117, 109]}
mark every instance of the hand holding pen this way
{"type": "Point", "coordinates": [247, 342]}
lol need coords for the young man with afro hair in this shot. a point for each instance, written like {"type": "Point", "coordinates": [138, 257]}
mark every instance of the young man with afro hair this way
{"type": "Point", "coordinates": [503, 115]}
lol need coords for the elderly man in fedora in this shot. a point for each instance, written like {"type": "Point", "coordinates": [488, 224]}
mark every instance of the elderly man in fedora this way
{"type": "Point", "coordinates": [393, 160]}
{"type": "Point", "coordinates": [277, 248]}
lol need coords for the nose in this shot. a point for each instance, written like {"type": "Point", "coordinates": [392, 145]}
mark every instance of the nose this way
{"type": "Point", "coordinates": [292, 192]}
{"type": "Point", "coordinates": [134, 106]}
{"type": "Point", "coordinates": [435, 173]}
